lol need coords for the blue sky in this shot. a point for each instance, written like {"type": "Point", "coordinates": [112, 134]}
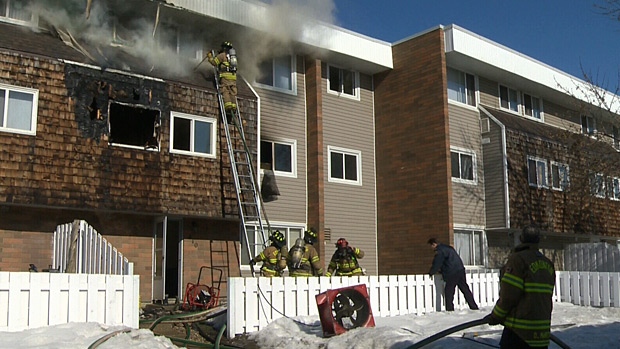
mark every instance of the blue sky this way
{"type": "Point", "coordinates": [566, 34]}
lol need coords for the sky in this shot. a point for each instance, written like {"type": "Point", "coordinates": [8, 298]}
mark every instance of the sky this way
{"type": "Point", "coordinates": [588, 327]}
{"type": "Point", "coordinates": [566, 34]}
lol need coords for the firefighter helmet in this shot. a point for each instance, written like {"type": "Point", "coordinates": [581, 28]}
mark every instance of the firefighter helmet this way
{"type": "Point", "coordinates": [278, 239]}
{"type": "Point", "coordinates": [310, 236]}
{"type": "Point", "coordinates": [530, 234]}
{"type": "Point", "coordinates": [342, 243]}
{"type": "Point", "coordinates": [226, 45]}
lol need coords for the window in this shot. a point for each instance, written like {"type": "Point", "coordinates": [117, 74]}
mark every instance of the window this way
{"type": "Point", "coordinates": [278, 73]}
{"type": "Point", "coordinates": [278, 156]}
{"type": "Point", "coordinates": [559, 176]}
{"type": "Point", "coordinates": [509, 98]}
{"type": "Point", "coordinates": [537, 172]}
{"type": "Point", "coordinates": [18, 109]}
{"type": "Point", "coordinates": [192, 134]}
{"type": "Point", "coordinates": [344, 165]}
{"type": "Point", "coordinates": [342, 81]}
{"type": "Point", "coordinates": [17, 10]}
{"type": "Point", "coordinates": [597, 185]}
{"type": "Point", "coordinates": [469, 244]}
{"type": "Point", "coordinates": [616, 137]}
{"type": "Point", "coordinates": [134, 125]}
{"type": "Point", "coordinates": [463, 165]}
{"type": "Point", "coordinates": [291, 233]}
{"type": "Point", "coordinates": [461, 87]}
{"type": "Point", "coordinates": [615, 188]}
{"type": "Point", "coordinates": [532, 106]}
{"type": "Point", "coordinates": [588, 126]}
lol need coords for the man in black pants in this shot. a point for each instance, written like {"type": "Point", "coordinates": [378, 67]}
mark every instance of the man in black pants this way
{"type": "Point", "coordinates": [448, 262]}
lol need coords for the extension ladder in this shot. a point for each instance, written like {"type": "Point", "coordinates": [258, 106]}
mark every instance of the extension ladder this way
{"type": "Point", "coordinates": [251, 210]}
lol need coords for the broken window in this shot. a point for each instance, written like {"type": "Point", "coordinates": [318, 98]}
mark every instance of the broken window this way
{"type": "Point", "coordinates": [134, 126]}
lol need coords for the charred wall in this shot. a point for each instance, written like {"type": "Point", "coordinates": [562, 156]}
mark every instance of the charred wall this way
{"type": "Point", "coordinates": [70, 163]}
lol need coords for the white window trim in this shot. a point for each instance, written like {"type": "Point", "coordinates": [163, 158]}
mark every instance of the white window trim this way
{"type": "Point", "coordinates": [519, 96]}
{"type": "Point", "coordinates": [293, 90]}
{"type": "Point", "coordinates": [485, 249]}
{"type": "Point", "coordinates": [356, 83]}
{"type": "Point", "coordinates": [604, 189]}
{"type": "Point", "coordinates": [537, 159]}
{"type": "Point", "coordinates": [594, 128]}
{"type": "Point", "coordinates": [474, 165]}
{"type": "Point", "coordinates": [293, 144]}
{"type": "Point", "coordinates": [476, 93]}
{"type": "Point", "coordinates": [540, 100]}
{"type": "Point", "coordinates": [559, 164]}
{"type": "Point", "coordinates": [274, 226]}
{"type": "Point", "coordinates": [345, 151]}
{"type": "Point", "coordinates": [35, 108]}
{"type": "Point", "coordinates": [214, 129]}
{"type": "Point", "coordinates": [613, 193]}
{"type": "Point", "coordinates": [34, 19]}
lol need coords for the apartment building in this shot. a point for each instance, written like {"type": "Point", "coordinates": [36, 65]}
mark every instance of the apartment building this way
{"type": "Point", "coordinates": [110, 115]}
{"type": "Point", "coordinates": [483, 141]}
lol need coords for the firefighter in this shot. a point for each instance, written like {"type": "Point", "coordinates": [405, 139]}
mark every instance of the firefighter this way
{"type": "Point", "coordinates": [226, 63]}
{"type": "Point", "coordinates": [303, 259]}
{"type": "Point", "coordinates": [344, 261]}
{"type": "Point", "coordinates": [273, 263]}
{"type": "Point", "coordinates": [525, 295]}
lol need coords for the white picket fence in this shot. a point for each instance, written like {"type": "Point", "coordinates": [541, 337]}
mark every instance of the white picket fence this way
{"type": "Point", "coordinates": [255, 302]}
{"type": "Point", "coordinates": [30, 300]}
{"type": "Point", "coordinates": [80, 244]}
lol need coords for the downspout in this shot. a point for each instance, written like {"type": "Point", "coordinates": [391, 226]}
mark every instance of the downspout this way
{"type": "Point", "coordinates": [504, 164]}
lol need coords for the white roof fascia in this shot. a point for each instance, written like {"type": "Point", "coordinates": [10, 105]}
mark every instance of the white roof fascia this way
{"type": "Point", "coordinates": [489, 52]}
{"type": "Point", "coordinates": [314, 33]}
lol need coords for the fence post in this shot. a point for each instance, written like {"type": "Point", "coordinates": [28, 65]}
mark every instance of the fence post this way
{"type": "Point", "coordinates": [72, 262]}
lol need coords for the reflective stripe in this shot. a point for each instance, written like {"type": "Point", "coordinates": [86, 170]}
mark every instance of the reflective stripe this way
{"type": "Point", "coordinates": [513, 280]}
{"type": "Point", "coordinates": [524, 324]}
{"type": "Point", "coordinates": [538, 287]}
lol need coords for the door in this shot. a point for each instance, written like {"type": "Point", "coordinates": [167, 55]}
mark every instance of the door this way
{"type": "Point", "coordinates": [159, 259]}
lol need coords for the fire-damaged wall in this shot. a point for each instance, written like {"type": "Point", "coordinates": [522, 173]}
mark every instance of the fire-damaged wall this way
{"type": "Point", "coordinates": [102, 143]}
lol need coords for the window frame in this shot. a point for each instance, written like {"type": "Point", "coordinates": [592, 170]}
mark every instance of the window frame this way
{"type": "Point", "coordinates": [289, 230]}
{"type": "Point", "coordinates": [517, 102]}
{"type": "Point", "coordinates": [293, 75]}
{"type": "Point", "coordinates": [544, 177]}
{"type": "Point", "coordinates": [585, 128]}
{"type": "Point", "coordinates": [5, 112]}
{"type": "Point", "coordinates": [193, 119]}
{"type": "Point", "coordinates": [469, 80]}
{"type": "Point", "coordinates": [467, 152]}
{"type": "Point", "coordinates": [356, 153]}
{"type": "Point", "coordinates": [615, 188]}
{"type": "Point", "coordinates": [524, 97]}
{"type": "Point", "coordinates": [471, 249]}
{"type": "Point", "coordinates": [600, 191]}
{"type": "Point", "coordinates": [615, 135]}
{"type": "Point", "coordinates": [9, 6]}
{"type": "Point", "coordinates": [563, 183]}
{"type": "Point", "coordinates": [355, 83]}
{"type": "Point", "coordinates": [288, 142]}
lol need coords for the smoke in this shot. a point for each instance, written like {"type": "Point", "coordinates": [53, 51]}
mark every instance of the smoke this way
{"type": "Point", "coordinates": [98, 25]}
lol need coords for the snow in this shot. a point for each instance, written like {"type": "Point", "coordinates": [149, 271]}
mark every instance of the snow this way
{"type": "Point", "coordinates": [590, 328]}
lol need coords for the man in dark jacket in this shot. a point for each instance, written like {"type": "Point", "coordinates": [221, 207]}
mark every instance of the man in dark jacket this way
{"type": "Point", "coordinates": [448, 262]}
{"type": "Point", "coordinates": [525, 295]}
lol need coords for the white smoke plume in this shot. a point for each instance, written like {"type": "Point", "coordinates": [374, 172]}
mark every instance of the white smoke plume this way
{"type": "Point", "coordinates": [138, 30]}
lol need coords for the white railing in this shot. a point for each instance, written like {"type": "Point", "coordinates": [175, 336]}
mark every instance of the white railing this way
{"type": "Point", "coordinates": [30, 300]}
{"type": "Point", "coordinates": [79, 248]}
{"type": "Point", "coordinates": [255, 302]}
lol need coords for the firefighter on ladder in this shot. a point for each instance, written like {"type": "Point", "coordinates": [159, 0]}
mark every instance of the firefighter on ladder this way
{"type": "Point", "coordinates": [273, 257]}
{"type": "Point", "coordinates": [226, 63]}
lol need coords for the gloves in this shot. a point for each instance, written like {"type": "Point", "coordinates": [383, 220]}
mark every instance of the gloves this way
{"type": "Point", "coordinates": [209, 54]}
{"type": "Point", "coordinates": [492, 320]}
{"type": "Point", "coordinates": [252, 262]}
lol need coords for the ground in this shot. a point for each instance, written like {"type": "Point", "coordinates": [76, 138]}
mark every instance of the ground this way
{"type": "Point", "coordinates": [200, 331]}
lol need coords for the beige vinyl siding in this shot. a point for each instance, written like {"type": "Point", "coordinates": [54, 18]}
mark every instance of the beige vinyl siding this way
{"type": "Point", "coordinates": [562, 117]}
{"type": "Point", "coordinates": [489, 94]}
{"type": "Point", "coordinates": [495, 194]}
{"type": "Point", "coordinates": [467, 199]}
{"type": "Point", "coordinates": [350, 209]}
{"type": "Point", "coordinates": [283, 117]}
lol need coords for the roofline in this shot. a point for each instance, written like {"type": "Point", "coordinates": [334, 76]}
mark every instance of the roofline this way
{"type": "Point", "coordinates": [318, 34]}
{"type": "Point", "coordinates": [488, 52]}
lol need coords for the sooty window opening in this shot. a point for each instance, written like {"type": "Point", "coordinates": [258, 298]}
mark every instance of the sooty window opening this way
{"type": "Point", "coordinates": [134, 125]}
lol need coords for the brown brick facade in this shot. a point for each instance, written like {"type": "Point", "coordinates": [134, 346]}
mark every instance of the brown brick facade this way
{"type": "Point", "coordinates": [413, 156]}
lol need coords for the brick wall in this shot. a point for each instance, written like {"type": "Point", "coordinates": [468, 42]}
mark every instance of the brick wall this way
{"type": "Point", "coordinates": [413, 158]}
